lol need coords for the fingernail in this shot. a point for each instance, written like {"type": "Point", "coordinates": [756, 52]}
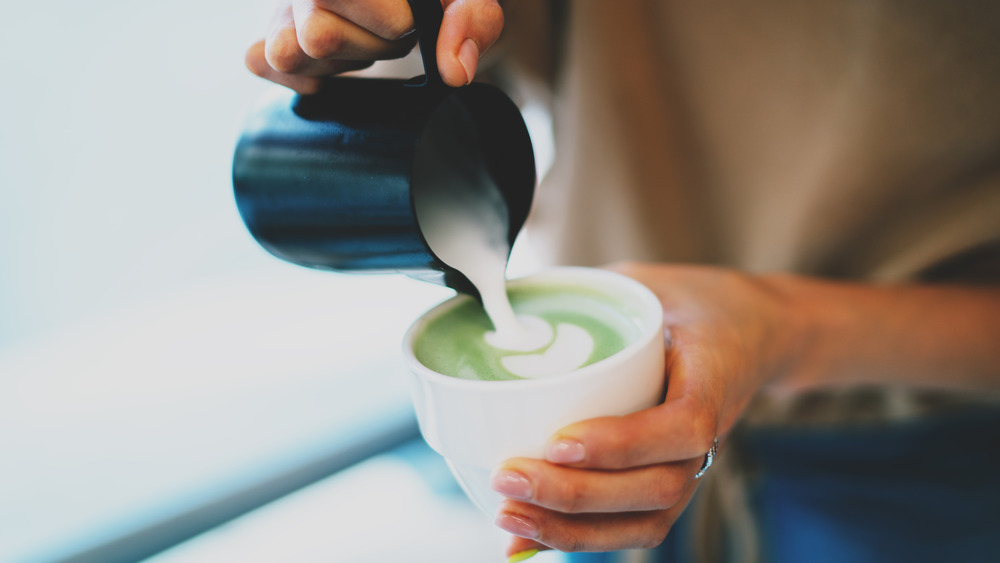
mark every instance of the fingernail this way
{"type": "Point", "coordinates": [468, 57]}
{"type": "Point", "coordinates": [517, 525]}
{"type": "Point", "coordinates": [564, 451]}
{"type": "Point", "coordinates": [522, 555]}
{"type": "Point", "coordinates": [511, 484]}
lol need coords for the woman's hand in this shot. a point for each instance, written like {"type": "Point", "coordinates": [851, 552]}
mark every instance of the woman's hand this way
{"type": "Point", "coordinates": [312, 39]}
{"type": "Point", "coordinates": [621, 482]}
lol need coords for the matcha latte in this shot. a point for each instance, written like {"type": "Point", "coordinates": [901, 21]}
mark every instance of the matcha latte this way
{"type": "Point", "coordinates": [583, 326]}
{"type": "Point", "coordinates": [610, 323]}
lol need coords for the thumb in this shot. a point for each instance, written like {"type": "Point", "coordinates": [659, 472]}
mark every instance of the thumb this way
{"type": "Point", "coordinates": [468, 29]}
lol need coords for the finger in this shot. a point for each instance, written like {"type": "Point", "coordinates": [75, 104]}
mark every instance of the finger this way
{"type": "Point", "coordinates": [571, 490]}
{"type": "Point", "coordinates": [280, 59]}
{"type": "Point", "coordinates": [520, 548]}
{"type": "Point", "coordinates": [323, 35]}
{"type": "Point", "coordinates": [589, 532]}
{"type": "Point", "coordinates": [281, 46]}
{"type": "Point", "coordinates": [257, 63]}
{"type": "Point", "coordinates": [284, 54]}
{"type": "Point", "coordinates": [388, 19]}
{"type": "Point", "coordinates": [469, 28]}
{"type": "Point", "coordinates": [683, 427]}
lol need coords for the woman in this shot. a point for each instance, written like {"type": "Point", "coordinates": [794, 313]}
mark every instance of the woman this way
{"type": "Point", "coordinates": [853, 147]}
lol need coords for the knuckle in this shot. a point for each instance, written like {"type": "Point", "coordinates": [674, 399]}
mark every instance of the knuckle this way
{"type": "Point", "coordinates": [282, 52]}
{"type": "Point", "coordinates": [703, 428]}
{"type": "Point", "coordinates": [668, 493]}
{"type": "Point", "coordinates": [621, 446]}
{"type": "Point", "coordinates": [570, 544]}
{"type": "Point", "coordinates": [256, 61]}
{"type": "Point", "coordinates": [566, 496]}
{"type": "Point", "coordinates": [319, 40]}
{"type": "Point", "coordinates": [575, 500]}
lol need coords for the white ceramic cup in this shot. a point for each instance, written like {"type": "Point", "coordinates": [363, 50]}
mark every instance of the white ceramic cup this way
{"type": "Point", "coordinates": [476, 424]}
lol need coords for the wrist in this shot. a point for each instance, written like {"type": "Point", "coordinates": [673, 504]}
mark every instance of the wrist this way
{"type": "Point", "coordinates": [813, 320]}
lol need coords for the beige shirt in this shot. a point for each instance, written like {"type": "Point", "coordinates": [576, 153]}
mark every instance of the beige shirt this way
{"type": "Point", "coordinates": [849, 139]}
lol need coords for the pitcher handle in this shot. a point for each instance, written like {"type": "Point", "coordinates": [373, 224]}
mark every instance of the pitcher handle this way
{"type": "Point", "coordinates": [427, 18]}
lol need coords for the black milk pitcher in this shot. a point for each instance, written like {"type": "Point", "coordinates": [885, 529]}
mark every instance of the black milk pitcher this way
{"type": "Point", "coordinates": [327, 180]}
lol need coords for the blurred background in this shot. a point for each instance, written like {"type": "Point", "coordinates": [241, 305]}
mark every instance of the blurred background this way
{"type": "Point", "coordinates": [168, 389]}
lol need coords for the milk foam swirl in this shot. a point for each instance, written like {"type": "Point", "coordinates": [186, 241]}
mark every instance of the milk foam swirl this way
{"type": "Point", "coordinates": [569, 350]}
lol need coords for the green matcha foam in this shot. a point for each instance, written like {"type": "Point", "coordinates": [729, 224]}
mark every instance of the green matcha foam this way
{"type": "Point", "coordinates": [587, 327]}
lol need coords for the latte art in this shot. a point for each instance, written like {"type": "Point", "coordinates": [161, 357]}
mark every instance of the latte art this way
{"type": "Point", "coordinates": [570, 350]}
{"type": "Point", "coordinates": [583, 327]}
{"type": "Point", "coordinates": [531, 333]}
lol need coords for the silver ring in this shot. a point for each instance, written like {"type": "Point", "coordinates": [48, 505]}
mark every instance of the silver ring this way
{"type": "Point", "coordinates": [709, 459]}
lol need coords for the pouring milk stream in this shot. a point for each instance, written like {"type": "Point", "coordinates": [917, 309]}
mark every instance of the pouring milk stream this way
{"type": "Point", "coordinates": [464, 220]}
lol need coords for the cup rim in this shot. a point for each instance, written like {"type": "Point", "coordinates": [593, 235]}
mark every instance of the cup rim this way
{"type": "Point", "coordinates": [652, 328]}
